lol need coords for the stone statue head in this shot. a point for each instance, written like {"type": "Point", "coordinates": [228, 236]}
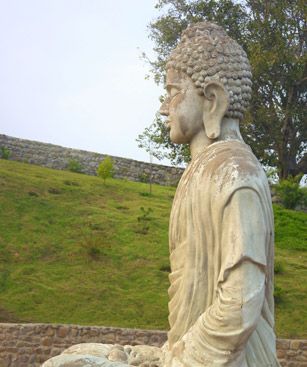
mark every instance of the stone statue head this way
{"type": "Point", "coordinates": [220, 73]}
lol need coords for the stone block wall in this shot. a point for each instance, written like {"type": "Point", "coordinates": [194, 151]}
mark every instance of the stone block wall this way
{"type": "Point", "coordinates": [55, 156]}
{"type": "Point", "coordinates": [292, 353]}
{"type": "Point", "coordinates": [29, 345]}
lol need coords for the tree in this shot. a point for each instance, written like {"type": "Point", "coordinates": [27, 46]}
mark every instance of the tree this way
{"type": "Point", "coordinates": [105, 169]}
{"type": "Point", "coordinates": [273, 34]}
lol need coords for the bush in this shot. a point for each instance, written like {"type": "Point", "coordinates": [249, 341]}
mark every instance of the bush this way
{"type": "Point", "coordinates": [146, 194]}
{"type": "Point", "coordinates": [144, 177]}
{"type": "Point", "coordinates": [143, 220]}
{"type": "Point", "coordinates": [278, 268]}
{"type": "Point", "coordinates": [278, 295]}
{"type": "Point", "coordinates": [290, 193]}
{"type": "Point", "coordinates": [5, 153]}
{"type": "Point", "coordinates": [74, 166]}
{"type": "Point", "coordinates": [105, 169]}
{"type": "Point", "coordinates": [304, 196]}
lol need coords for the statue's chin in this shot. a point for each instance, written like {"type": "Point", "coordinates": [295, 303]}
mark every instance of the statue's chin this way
{"type": "Point", "coordinates": [177, 138]}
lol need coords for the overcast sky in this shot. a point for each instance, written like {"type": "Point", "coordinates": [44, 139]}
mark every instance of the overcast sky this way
{"type": "Point", "coordinates": [71, 73]}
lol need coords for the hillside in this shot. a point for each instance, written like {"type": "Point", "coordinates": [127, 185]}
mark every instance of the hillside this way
{"type": "Point", "coordinates": [73, 250]}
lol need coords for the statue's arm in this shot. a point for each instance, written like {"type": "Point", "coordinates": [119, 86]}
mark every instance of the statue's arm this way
{"type": "Point", "coordinates": [221, 333]}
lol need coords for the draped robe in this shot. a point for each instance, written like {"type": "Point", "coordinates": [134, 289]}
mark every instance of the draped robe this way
{"type": "Point", "coordinates": [221, 308]}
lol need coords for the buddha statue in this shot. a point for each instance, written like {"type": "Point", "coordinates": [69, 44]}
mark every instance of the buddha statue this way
{"type": "Point", "coordinates": [221, 239]}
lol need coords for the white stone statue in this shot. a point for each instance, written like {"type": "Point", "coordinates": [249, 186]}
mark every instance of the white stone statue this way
{"type": "Point", "coordinates": [221, 308]}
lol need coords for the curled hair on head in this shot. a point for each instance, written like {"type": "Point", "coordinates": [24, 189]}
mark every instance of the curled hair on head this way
{"type": "Point", "coordinates": [206, 53]}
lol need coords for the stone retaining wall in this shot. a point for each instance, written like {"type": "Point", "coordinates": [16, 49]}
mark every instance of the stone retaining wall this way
{"type": "Point", "coordinates": [55, 156]}
{"type": "Point", "coordinates": [28, 345]}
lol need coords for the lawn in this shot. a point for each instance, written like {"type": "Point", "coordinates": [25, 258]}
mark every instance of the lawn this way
{"type": "Point", "coordinates": [76, 250]}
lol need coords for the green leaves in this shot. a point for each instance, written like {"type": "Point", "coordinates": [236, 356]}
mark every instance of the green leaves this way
{"type": "Point", "coordinates": [274, 36]}
{"type": "Point", "coordinates": [105, 169]}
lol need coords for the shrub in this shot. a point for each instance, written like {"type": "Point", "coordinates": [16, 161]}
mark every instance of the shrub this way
{"type": "Point", "coordinates": [143, 220]}
{"type": "Point", "coordinates": [304, 196]}
{"type": "Point", "coordinates": [144, 177]}
{"type": "Point", "coordinates": [278, 267]}
{"type": "Point", "coordinates": [146, 194]}
{"type": "Point", "coordinates": [5, 153]}
{"type": "Point", "coordinates": [278, 294]}
{"type": "Point", "coordinates": [74, 166]}
{"type": "Point", "coordinates": [94, 253]}
{"type": "Point", "coordinates": [290, 193]}
{"type": "Point", "coordinates": [105, 169]}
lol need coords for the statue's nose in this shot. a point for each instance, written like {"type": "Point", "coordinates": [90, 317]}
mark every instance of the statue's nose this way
{"type": "Point", "coordinates": [164, 108]}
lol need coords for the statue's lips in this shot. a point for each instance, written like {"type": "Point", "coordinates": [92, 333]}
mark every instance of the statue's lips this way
{"type": "Point", "coordinates": [168, 124]}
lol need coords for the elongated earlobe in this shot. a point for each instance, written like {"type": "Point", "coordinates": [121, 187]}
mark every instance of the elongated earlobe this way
{"type": "Point", "coordinates": [215, 106]}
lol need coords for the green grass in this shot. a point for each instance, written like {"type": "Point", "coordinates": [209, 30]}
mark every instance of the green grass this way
{"type": "Point", "coordinates": [72, 250]}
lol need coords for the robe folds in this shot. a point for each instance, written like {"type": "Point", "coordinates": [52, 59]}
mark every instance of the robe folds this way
{"type": "Point", "coordinates": [221, 308]}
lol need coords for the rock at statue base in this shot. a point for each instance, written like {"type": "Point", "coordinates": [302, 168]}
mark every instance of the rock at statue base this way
{"type": "Point", "coordinates": [107, 355]}
{"type": "Point", "coordinates": [81, 360]}
{"type": "Point", "coordinates": [94, 349]}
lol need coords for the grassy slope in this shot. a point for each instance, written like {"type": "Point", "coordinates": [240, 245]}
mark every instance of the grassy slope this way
{"type": "Point", "coordinates": [72, 251]}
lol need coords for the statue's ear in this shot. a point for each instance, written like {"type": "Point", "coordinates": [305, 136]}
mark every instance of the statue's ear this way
{"type": "Point", "coordinates": [215, 106]}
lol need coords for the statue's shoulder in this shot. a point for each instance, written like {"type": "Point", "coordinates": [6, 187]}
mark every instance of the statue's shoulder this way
{"type": "Point", "coordinates": [230, 164]}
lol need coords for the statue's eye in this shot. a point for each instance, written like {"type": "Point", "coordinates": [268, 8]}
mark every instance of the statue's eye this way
{"type": "Point", "coordinates": [173, 92]}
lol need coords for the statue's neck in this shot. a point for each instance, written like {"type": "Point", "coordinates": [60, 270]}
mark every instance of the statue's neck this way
{"type": "Point", "coordinates": [229, 131]}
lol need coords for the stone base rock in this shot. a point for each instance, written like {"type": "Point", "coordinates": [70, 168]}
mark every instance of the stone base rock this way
{"type": "Point", "coordinates": [80, 360]}
{"type": "Point", "coordinates": [107, 355]}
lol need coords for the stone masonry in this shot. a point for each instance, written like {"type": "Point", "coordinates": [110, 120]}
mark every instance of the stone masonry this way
{"type": "Point", "coordinates": [55, 156]}
{"type": "Point", "coordinates": [28, 345]}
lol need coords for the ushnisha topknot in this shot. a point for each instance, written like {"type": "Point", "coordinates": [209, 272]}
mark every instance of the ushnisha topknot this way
{"type": "Point", "coordinates": [206, 53]}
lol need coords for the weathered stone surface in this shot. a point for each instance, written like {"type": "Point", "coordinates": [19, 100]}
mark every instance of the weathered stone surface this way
{"type": "Point", "coordinates": [141, 355]}
{"type": "Point", "coordinates": [118, 354]}
{"type": "Point", "coordinates": [147, 356]}
{"type": "Point", "coordinates": [71, 360]}
{"type": "Point", "coordinates": [94, 349]}
{"type": "Point", "coordinates": [221, 225]}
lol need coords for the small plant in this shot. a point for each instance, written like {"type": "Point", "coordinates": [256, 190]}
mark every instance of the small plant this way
{"type": "Point", "coordinates": [144, 177]}
{"type": "Point", "coordinates": [94, 253]}
{"type": "Point", "coordinates": [304, 196]}
{"type": "Point", "coordinates": [91, 245]}
{"type": "Point", "coordinates": [143, 220]}
{"type": "Point", "coordinates": [278, 294]}
{"type": "Point", "coordinates": [5, 153]}
{"type": "Point", "coordinates": [146, 194]}
{"type": "Point", "coordinates": [279, 267]}
{"type": "Point", "coordinates": [290, 193]}
{"type": "Point", "coordinates": [105, 169]}
{"type": "Point", "coordinates": [74, 166]}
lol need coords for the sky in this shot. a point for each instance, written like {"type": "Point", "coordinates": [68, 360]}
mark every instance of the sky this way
{"type": "Point", "coordinates": [71, 73]}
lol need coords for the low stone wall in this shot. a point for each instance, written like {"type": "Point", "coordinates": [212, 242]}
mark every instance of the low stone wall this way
{"type": "Point", "coordinates": [25, 345]}
{"type": "Point", "coordinates": [29, 345]}
{"type": "Point", "coordinates": [292, 353]}
{"type": "Point", "coordinates": [55, 156]}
